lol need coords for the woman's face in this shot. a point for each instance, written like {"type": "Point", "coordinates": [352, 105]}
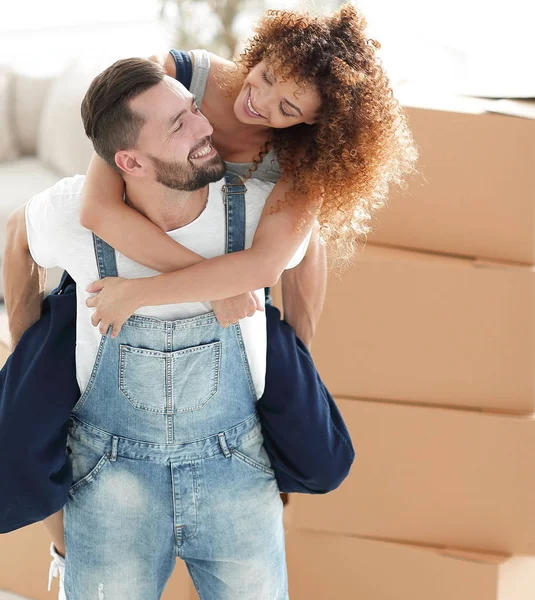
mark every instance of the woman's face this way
{"type": "Point", "coordinates": [271, 101]}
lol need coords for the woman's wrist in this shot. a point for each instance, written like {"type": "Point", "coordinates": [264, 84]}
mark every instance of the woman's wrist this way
{"type": "Point", "coordinates": [138, 291]}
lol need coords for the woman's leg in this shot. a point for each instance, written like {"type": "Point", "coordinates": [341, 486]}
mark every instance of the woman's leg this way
{"type": "Point", "coordinates": [54, 526]}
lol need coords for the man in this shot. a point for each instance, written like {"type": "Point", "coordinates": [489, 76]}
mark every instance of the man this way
{"type": "Point", "coordinates": [165, 444]}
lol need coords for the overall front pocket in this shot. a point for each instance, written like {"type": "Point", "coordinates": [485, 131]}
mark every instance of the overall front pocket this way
{"type": "Point", "coordinates": [169, 382]}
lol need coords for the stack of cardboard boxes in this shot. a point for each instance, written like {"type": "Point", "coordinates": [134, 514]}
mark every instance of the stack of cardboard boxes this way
{"type": "Point", "coordinates": [428, 344]}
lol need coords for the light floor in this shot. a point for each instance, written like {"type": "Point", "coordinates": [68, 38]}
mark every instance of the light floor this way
{"type": "Point", "coordinates": [10, 596]}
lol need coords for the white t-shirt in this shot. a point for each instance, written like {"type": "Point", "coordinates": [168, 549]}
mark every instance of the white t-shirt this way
{"type": "Point", "coordinates": [56, 238]}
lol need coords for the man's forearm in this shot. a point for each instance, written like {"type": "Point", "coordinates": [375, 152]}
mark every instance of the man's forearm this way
{"type": "Point", "coordinates": [303, 291]}
{"type": "Point", "coordinates": [23, 280]}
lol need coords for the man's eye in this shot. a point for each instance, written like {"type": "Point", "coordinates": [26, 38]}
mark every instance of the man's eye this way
{"type": "Point", "coordinates": [178, 128]}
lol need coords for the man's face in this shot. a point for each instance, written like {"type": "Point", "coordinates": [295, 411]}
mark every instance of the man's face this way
{"type": "Point", "coordinates": [175, 142]}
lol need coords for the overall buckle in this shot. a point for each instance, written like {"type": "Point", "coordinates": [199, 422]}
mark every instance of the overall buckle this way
{"type": "Point", "coordinates": [227, 189]}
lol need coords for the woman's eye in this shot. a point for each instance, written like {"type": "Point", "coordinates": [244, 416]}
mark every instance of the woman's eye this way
{"type": "Point", "coordinates": [264, 77]}
{"type": "Point", "coordinates": [284, 112]}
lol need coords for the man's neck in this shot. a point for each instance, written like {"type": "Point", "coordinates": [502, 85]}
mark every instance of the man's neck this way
{"type": "Point", "coordinates": [168, 209]}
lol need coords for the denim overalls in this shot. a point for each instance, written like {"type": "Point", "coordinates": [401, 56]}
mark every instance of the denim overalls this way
{"type": "Point", "coordinates": [168, 461]}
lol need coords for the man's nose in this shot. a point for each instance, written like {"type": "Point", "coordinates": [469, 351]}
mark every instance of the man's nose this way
{"type": "Point", "coordinates": [202, 126]}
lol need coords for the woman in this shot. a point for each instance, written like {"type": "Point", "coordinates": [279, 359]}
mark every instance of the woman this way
{"type": "Point", "coordinates": [307, 106]}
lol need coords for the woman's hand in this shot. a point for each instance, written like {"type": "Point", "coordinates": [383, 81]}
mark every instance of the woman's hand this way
{"type": "Point", "coordinates": [115, 302]}
{"type": "Point", "coordinates": [231, 310]}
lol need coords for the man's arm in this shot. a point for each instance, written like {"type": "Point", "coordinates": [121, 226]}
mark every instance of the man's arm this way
{"type": "Point", "coordinates": [23, 279]}
{"type": "Point", "coordinates": [303, 290]}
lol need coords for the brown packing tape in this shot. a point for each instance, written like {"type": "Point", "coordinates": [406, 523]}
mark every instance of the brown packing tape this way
{"type": "Point", "coordinates": [482, 557]}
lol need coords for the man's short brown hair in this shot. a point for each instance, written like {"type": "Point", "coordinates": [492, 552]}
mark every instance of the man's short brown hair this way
{"type": "Point", "coordinates": [109, 122]}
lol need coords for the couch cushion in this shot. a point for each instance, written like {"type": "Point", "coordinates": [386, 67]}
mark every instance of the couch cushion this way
{"type": "Point", "coordinates": [19, 181]}
{"type": "Point", "coordinates": [8, 144]}
{"type": "Point", "coordinates": [30, 91]}
{"type": "Point", "coordinates": [62, 143]}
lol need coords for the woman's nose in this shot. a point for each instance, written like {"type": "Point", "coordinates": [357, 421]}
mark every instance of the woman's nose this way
{"type": "Point", "coordinates": [262, 103]}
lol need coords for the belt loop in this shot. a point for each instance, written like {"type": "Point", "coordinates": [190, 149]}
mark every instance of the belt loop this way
{"type": "Point", "coordinates": [114, 442]}
{"type": "Point", "coordinates": [223, 444]}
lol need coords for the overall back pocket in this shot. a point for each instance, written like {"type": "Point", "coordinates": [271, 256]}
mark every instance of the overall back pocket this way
{"type": "Point", "coordinates": [169, 382]}
{"type": "Point", "coordinates": [86, 461]}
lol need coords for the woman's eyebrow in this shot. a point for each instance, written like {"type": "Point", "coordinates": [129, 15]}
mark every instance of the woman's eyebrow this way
{"type": "Point", "coordinates": [293, 106]}
{"type": "Point", "coordinates": [270, 77]}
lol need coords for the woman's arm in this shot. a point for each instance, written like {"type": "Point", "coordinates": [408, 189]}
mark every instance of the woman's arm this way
{"type": "Point", "coordinates": [276, 241]}
{"type": "Point", "coordinates": [103, 209]}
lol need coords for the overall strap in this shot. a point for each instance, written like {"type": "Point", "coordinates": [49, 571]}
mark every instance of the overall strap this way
{"type": "Point", "coordinates": [106, 261]}
{"type": "Point", "coordinates": [184, 68]}
{"type": "Point", "coordinates": [234, 199]}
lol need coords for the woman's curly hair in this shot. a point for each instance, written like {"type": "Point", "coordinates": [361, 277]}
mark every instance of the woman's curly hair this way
{"type": "Point", "coordinates": [360, 143]}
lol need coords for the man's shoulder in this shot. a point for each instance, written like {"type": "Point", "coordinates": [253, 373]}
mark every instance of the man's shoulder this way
{"type": "Point", "coordinates": [55, 235]}
{"type": "Point", "coordinates": [58, 207]}
{"type": "Point", "coordinates": [67, 187]}
{"type": "Point", "coordinates": [63, 199]}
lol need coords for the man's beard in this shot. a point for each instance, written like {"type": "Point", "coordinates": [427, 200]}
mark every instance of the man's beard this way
{"type": "Point", "coordinates": [185, 176]}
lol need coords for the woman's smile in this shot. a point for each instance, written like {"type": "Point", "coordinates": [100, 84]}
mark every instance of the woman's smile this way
{"type": "Point", "coordinates": [248, 107]}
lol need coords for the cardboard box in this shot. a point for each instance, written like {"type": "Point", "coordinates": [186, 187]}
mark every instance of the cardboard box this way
{"type": "Point", "coordinates": [25, 560]}
{"type": "Point", "coordinates": [421, 328]}
{"type": "Point", "coordinates": [434, 476]}
{"type": "Point", "coordinates": [322, 567]}
{"type": "Point", "coordinates": [476, 193]}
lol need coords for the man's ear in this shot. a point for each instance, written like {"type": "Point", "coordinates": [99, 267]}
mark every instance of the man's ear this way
{"type": "Point", "coordinates": [127, 161]}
